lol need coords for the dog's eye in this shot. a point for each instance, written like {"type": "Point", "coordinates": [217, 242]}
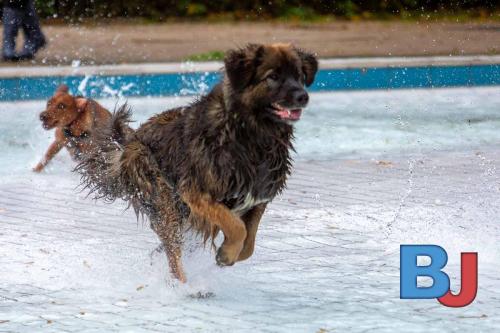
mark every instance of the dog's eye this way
{"type": "Point", "coordinates": [60, 106]}
{"type": "Point", "coordinates": [303, 78]}
{"type": "Point", "coordinates": [273, 76]}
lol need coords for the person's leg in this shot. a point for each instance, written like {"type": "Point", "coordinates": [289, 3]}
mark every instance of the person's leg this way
{"type": "Point", "coordinates": [11, 22]}
{"type": "Point", "coordinates": [34, 38]}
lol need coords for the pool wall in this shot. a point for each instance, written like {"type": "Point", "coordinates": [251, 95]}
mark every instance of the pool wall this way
{"type": "Point", "coordinates": [33, 83]}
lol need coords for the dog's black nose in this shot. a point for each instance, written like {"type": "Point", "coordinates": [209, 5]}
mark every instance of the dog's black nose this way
{"type": "Point", "coordinates": [43, 117]}
{"type": "Point", "coordinates": [301, 98]}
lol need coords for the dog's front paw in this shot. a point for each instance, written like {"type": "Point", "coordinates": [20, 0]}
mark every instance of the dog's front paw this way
{"type": "Point", "coordinates": [226, 256]}
{"type": "Point", "coordinates": [38, 168]}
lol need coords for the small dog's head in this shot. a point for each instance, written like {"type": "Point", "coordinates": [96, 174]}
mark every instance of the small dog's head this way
{"type": "Point", "coordinates": [62, 109]}
{"type": "Point", "coordinates": [271, 79]}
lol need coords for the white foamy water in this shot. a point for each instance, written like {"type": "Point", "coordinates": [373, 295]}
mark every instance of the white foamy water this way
{"type": "Point", "coordinates": [70, 263]}
{"type": "Point", "coordinates": [342, 124]}
{"type": "Point", "coordinates": [392, 122]}
{"type": "Point", "coordinates": [327, 256]}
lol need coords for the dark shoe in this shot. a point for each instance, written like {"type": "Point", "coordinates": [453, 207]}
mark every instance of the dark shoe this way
{"type": "Point", "coordinates": [12, 58]}
{"type": "Point", "coordinates": [26, 56]}
{"type": "Point", "coordinates": [30, 54]}
{"type": "Point", "coordinates": [41, 44]}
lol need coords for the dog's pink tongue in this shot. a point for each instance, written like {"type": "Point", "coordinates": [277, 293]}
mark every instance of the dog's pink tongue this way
{"type": "Point", "coordinates": [295, 114]}
{"type": "Point", "coordinates": [289, 114]}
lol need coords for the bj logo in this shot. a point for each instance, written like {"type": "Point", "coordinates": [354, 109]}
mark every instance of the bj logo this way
{"type": "Point", "coordinates": [440, 289]}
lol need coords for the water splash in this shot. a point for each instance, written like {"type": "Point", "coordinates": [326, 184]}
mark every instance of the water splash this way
{"type": "Point", "coordinates": [94, 85]}
{"type": "Point", "coordinates": [403, 198]}
{"type": "Point", "coordinates": [194, 85]}
{"type": "Point", "coordinates": [82, 87]}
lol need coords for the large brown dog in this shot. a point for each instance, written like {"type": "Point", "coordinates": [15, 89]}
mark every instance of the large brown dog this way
{"type": "Point", "coordinates": [216, 163]}
{"type": "Point", "coordinates": [75, 119]}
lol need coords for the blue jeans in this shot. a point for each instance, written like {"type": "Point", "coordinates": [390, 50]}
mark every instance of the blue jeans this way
{"type": "Point", "coordinates": [27, 19]}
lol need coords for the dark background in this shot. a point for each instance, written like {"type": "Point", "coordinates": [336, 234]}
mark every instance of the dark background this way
{"type": "Point", "coordinates": [264, 9]}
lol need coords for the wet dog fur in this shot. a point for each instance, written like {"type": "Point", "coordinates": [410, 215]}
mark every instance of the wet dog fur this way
{"type": "Point", "coordinates": [213, 165]}
{"type": "Point", "coordinates": [75, 119]}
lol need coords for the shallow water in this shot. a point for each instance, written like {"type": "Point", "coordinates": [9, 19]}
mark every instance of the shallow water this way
{"type": "Point", "coordinates": [324, 265]}
{"type": "Point", "coordinates": [327, 254]}
{"type": "Point", "coordinates": [393, 122]}
{"type": "Point", "coordinates": [335, 125]}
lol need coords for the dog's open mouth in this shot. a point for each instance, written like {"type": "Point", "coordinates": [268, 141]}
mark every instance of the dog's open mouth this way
{"type": "Point", "coordinates": [285, 113]}
{"type": "Point", "coordinates": [46, 126]}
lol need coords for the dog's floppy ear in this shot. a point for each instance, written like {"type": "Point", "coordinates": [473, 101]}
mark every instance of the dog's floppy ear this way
{"type": "Point", "coordinates": [241, 65]}
{"type": "Point", "coordinates": [62, 89]}
{"type": "Point", "coordinates": [81, 104]}
{"type": "Point", "coordinates": [309, 65]}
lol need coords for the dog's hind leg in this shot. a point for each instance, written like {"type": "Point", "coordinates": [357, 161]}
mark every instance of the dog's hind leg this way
{"type": "Point", "coordinates": [167, 226]}
{"type": "Point", "coordinates": [141, 178]}
{"type": "Point", "coordinates": [252, 220]}
{"type": "Point", "coordinates": [169, 234]}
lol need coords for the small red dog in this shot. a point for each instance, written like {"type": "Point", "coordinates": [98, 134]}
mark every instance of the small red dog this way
{"type": "Point", "coordinates": [75, 119]}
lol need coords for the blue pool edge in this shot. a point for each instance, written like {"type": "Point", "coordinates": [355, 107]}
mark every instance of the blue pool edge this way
{"type": "Point", "coordinates": [198, 82]}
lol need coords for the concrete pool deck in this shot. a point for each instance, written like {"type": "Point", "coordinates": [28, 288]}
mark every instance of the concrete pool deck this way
{"type": "Point", "coordinates": [109, 42]}
{"type": "Point", "coordinates": [327, 256]}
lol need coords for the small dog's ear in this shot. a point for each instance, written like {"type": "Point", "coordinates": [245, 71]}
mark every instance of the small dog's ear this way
{"type": "Point", "coordinates": [62, 88]}
{"type": "Point", "coordinates": [309, 65]}
{"type": "Point", "coordinates": [81, 104]}
{"type": "Point", "coordinates": [241, 65]}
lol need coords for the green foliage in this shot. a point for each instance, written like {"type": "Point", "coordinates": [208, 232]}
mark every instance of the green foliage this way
{"type": "Point", "coordinates": [347, 9]}
{"type": "Point", "coordinates": [46, 7]}
{"type": "Point", "coordinates": [300, 14]}
{"type": "Point", "coordinates": [196, 9]}
{"type": "Point", "coordinates": [208, 56]}
{"type": "Point", "coordinates": [244, 9]}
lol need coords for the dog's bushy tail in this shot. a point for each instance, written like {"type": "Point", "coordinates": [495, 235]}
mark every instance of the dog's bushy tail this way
{"type": "Point", "coordinates": [98, 166]}
{"type": "Point", "coordinates": [120, 166]}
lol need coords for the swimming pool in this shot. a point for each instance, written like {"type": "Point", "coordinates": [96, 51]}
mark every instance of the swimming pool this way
{"type": "Point", "coordinates": [373, 124]}
{"type": "Point", "coordinates": [327, 255]}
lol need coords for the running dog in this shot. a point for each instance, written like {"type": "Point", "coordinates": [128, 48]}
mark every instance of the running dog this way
{"type": "Point", "coordinates": [213, 165]}
{"type": "Point", "coordinates": [75, 119]}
